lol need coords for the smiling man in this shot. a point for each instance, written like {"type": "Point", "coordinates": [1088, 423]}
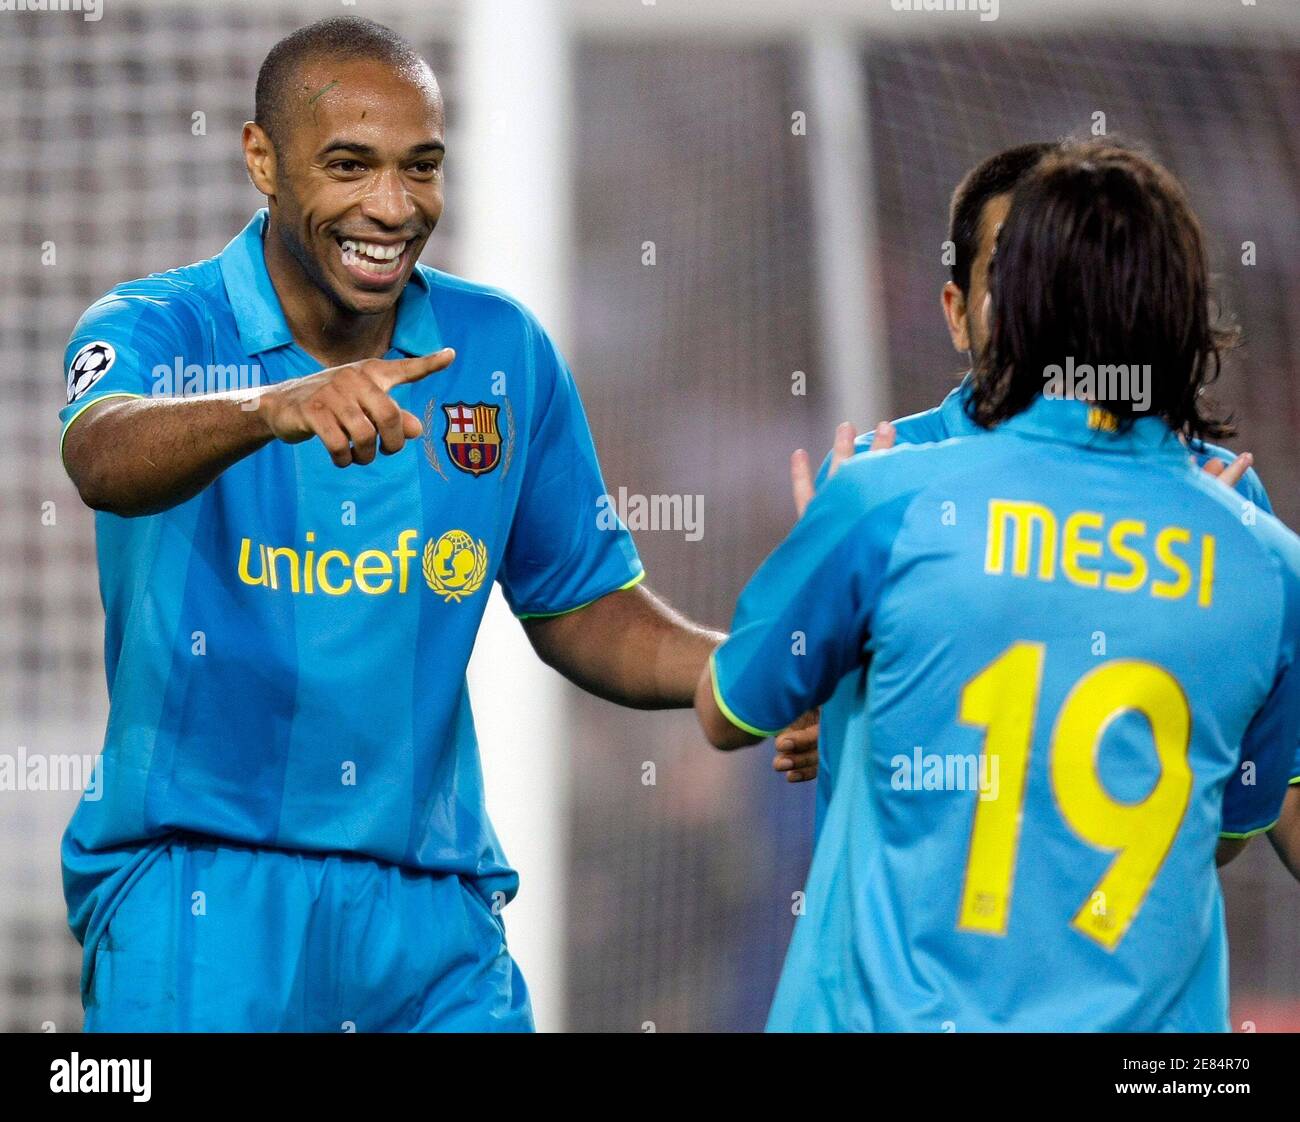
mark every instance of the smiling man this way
{"type": "Point", "coordinates": [292, 834]}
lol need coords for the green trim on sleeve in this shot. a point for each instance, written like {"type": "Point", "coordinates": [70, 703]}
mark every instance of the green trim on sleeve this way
{"type": "Point", "coordinates": [730, 713]}
{"type": "Point", "coordinates": [586, 603]}
{"type": "Point", "coordinates": [1249, 833]}
{"type": "Point", "coordinates": [1293, 781]}
{"type": "Point", "coordinates": [79, 412]}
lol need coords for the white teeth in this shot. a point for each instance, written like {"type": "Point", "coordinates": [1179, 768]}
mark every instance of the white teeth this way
{"type": "Point", "coordinates": [374, 251]}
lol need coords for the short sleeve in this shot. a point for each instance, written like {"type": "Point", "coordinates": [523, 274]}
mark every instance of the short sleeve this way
{"type": "Point", "coordinates": [1252, 799]}
{"type": "Point", "coordinates": [114, 349]}
{"type": "Point", "coordinates": [804, 619]}
{"type": "Point", "coordinates": [567, 544]}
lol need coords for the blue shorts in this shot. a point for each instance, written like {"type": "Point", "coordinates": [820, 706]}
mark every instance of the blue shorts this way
{"type": "Point", "coordinates": [215, 937]}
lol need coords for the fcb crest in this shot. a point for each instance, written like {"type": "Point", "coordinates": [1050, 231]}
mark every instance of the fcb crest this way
{"type": "Point", "coordinates": [472, 439]}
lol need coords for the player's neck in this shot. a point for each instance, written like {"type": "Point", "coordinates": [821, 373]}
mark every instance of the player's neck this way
{"type": "Point", "coordinates": [329, 333]}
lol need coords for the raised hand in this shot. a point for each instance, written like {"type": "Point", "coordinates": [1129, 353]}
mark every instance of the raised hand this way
{"type": "Point", "coordinates": [801, 473]}
{"type": "Point", "coordinates": [1229, 473]}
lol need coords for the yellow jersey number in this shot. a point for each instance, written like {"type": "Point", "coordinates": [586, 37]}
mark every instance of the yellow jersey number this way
{"type": "Point", "coordinates": [1003, 699]}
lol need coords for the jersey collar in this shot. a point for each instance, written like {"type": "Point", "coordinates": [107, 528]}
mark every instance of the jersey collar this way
{"type": "Point", "coordinates": [956, 421]}
{"type": "Point", "coordinates": [1067, 421]}
{"type": "Point", "coordinates": [261, 322]}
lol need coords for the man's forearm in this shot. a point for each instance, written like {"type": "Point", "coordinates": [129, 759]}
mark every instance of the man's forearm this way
{"type": "Point", "coordinates": [142, 457]}
{"type": "Point", "coordinates": [628, 647]}
{"type": "Point", "coordinates": [145, 455]}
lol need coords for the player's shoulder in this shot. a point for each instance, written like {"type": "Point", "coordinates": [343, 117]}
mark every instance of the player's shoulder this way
{"type": "Point", "coordinates": [1282, 547]}
{"type": "Point", "coordinates": [870, 479]}
{"type": "Point", "coordinates": [1276, 538]}
{"type": "Point", "coordinates": [926, 427]}
{"type": "Point", "coordinates": [485, 306]}
{"type": "Point", "coordinates": [179, 299]}
{"type": "Point", "coordinates": [1255, 523]}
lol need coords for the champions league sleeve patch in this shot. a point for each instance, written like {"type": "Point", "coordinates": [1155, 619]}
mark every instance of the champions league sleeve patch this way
{"type": "Point", "coordinates": [89, 364]}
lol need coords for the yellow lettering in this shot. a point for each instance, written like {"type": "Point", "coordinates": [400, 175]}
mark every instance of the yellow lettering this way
{"type": "Point", "coordinates": [1136, 577]}
{"type": "Point", "coordinates": [404, 553]}
{"type": "Point", "coordinates": [322, 573]}
{"type": "Point", "coordinates": [245, 550]}
{"type": "Point", "coordinates": [1074, 547]}
{"type": "Point", "coordinates": [291, 555]}
{"type": "Point", "coordinates": [1205, 593]}
{"type": "Point", "coordinates": [1177, 588]}
{"type": "Point", "coordinates": [372, 571]}
{"type": "Point", "coordinates": [308, 565]}
{"type": "Point", "coordinates": [1023, 516]}
{"type": "Point", "coordinates": [370, 563]}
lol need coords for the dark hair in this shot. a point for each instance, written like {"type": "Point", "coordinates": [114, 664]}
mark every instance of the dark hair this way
{"type": "Point", "coordinates": [1101, 260]}
{"type": "Point", "coordinates": [997, 175]}
{"type": "Point", "coordinates": [341, 38]}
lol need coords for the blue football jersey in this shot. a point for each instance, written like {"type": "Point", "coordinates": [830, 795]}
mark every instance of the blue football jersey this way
{"type": "Point", "coordinates": [1028, 801]}
{"type": "Point", "coordinates": [946, 420]}
{"type": "Point", "coordinates": [286, 651]}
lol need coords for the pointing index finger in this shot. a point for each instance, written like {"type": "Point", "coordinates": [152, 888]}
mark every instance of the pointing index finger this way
{"type": "Point", "coordinates": [402, 370]}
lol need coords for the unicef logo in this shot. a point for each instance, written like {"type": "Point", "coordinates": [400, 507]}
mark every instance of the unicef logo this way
{"type": "Point", "coordinates": [454, 565]}
{"type": "Point", "coordinates": [89, 364]}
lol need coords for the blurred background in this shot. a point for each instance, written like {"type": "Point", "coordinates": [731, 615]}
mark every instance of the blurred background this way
{"type": "Point", "coordinates": [711, 204]}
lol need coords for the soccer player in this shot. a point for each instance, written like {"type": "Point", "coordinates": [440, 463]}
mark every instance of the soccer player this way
{"type": "Point", "coordinates": [979, 207]}
{"type": "Point", "coordinates": [292, 833]}
{"type": "Point", "coordinates": [1029, 804]}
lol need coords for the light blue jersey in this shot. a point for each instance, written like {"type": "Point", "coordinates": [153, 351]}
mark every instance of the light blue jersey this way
{"type": "Point", "coordinates": [286, 651]}
{"type": "Point", "coordinates": [1023, 828]}
{"type": "Point", "coordinates": [946, 420]}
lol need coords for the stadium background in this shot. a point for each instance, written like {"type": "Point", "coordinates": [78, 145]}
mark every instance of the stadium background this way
{"type": "Point", "coordinates": [577, 133]}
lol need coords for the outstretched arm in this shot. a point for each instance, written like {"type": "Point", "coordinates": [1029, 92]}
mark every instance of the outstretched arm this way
{"type": "Point", "coordinates": [144, 456]}
{"type": "Point", "coordinates": [632, 648]}
{"type": "Point", "coordinates": [629, 647]}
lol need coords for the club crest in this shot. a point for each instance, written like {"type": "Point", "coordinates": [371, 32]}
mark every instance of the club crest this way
{"type": "Point", "coordinates": [472, 438]}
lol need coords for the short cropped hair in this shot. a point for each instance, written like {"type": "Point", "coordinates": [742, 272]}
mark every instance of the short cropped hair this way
{"type": "Point", "coordinates": [997, 175]}
{"type": "Point", "coordinates": [340, 38]}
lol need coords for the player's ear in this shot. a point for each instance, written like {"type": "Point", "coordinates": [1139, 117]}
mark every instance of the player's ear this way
{"type": "Point", "coordinates": [954, 311]}
{"type": "Point", "coordinates": [259, 158]}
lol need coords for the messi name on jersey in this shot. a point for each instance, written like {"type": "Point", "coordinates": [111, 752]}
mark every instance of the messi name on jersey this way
{"type": "Point", "coordinates": [472, 439]}
{"type": "Point", "coordinates": [1118, 555]}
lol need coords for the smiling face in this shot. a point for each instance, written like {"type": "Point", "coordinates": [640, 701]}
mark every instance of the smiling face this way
{"type": "Point", "coordinates": [354, 181]}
